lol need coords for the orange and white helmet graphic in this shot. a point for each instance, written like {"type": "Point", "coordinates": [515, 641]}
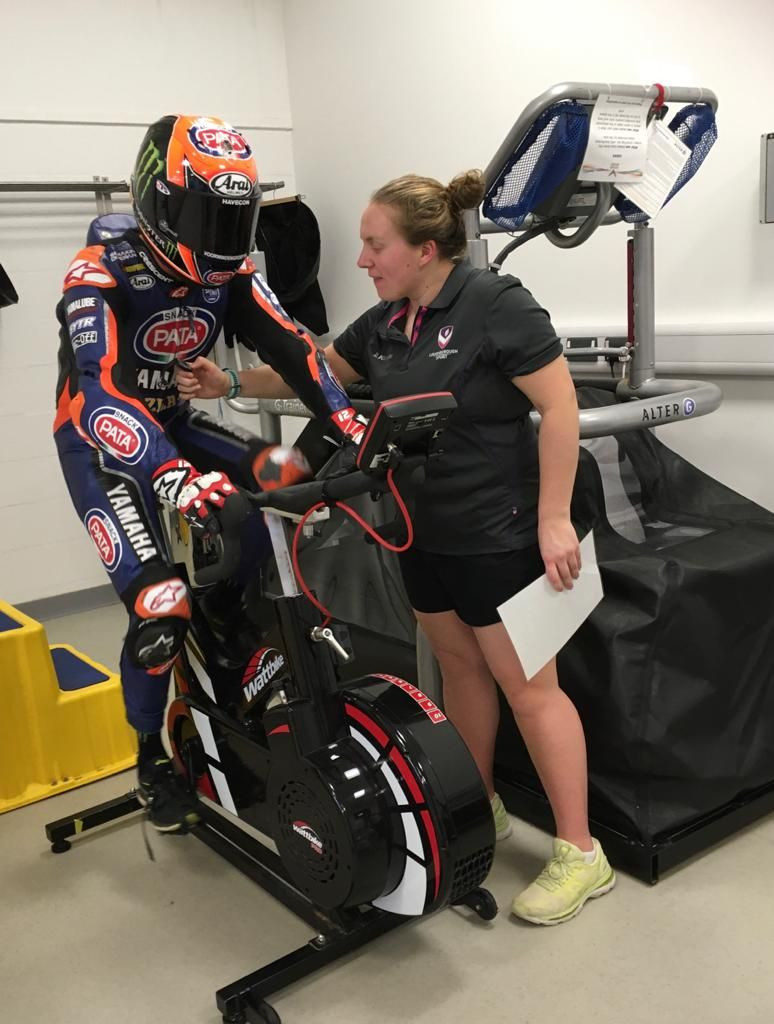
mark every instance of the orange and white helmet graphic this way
{"type": "Point", "coordinates": [196, 196]}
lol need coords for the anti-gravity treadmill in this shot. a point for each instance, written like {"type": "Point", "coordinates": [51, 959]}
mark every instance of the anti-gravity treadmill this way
{"type": "Point", "coordinates": [672, 673]}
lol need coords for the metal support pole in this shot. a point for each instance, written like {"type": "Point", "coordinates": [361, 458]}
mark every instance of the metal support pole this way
{"type": "Point", "coordinates": [644, 305]}
{"type": "Point", "coordinates": [104, 199]}
{"type": "Point", "coordinates": [477, 246]}
{"type": "Point", "coordinates": [270, 426]}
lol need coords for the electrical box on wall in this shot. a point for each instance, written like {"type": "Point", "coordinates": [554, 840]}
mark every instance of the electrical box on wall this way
{"type": "Point", "coordinates": [767, 179]}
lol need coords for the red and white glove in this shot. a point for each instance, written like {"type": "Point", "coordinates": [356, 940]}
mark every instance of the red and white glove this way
{"type": "Point", "coordinates": [350, 424]}
{"type": "Point", "coordinates": [198, 497]}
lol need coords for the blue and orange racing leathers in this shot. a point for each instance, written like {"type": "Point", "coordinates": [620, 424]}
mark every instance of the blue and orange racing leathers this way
{"type": "Point", "coordinates": [119, 419]}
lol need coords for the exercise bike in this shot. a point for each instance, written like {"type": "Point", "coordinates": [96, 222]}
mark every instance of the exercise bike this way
{"type": "Point", "coordinates": [357, 804]}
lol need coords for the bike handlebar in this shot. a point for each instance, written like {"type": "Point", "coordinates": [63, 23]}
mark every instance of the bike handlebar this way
{"type": "Point", "coordinates": [297, 499]}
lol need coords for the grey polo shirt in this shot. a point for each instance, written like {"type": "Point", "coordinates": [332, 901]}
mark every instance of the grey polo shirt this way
{"type": "Point", "coordinates": [480, 494]}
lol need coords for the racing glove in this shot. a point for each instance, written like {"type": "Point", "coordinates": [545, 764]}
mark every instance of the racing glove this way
{"type": "Point", "coordinates": [200, 498]}
{"type": "Point", "coordinates": [351, 426]}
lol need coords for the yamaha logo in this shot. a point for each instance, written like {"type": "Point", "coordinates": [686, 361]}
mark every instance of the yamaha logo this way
{"type": "Point", "coordinates": [230, 184]}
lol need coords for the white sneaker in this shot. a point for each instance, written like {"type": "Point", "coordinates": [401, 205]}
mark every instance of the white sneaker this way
{"type": "Point", "coordinates": [503, 827]}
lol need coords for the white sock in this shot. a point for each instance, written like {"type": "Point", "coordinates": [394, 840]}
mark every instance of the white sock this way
{"type": "Point", "coordinates": [591, 856]}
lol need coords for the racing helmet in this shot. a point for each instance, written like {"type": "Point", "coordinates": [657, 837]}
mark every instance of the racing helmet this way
{"type": "Point", "coordinates": [195, 194]}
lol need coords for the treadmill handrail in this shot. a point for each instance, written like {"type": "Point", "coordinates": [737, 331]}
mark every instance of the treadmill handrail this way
{"type": "Point", "coordinates": [687, 399]}
{"type": "Point", "coordinates": [585, 92]}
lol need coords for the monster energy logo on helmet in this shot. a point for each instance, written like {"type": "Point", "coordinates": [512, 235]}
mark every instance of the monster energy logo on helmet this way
{"type": "Point", "coordinates": [149, 164]}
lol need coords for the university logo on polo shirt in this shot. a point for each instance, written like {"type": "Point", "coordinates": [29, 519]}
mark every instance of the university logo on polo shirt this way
{"type": "Point", "coordinates": [444, 337]}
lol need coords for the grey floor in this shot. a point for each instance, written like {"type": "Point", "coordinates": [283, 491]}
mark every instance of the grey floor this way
{"type": "Point", "coordinates": [101, 935]}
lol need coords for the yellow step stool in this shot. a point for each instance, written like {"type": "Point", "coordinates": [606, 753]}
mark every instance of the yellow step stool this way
{"type": "Point", "coordinates": [62, 721]}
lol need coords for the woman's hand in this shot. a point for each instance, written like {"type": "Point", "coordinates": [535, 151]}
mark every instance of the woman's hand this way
{"type": "Point", "coordinates": [560, 551]}
{"type": "Point", "coordinates": [201, 378]}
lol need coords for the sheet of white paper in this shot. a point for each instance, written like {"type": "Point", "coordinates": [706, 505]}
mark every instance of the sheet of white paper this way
{"type": "Point", "coordinates": [617, 149]}
{"type": "Point", "coordinates": [540, 620]}
{"type": "Point", "coordinates": [666, 158]}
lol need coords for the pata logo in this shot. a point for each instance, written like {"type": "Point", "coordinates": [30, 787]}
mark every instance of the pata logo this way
{"type": "Point", "coordinates": [105, 537]}
{"type": "Point", "coordinates": [119, 433]}
{"type": "Point", "coordinates": [169, 334]}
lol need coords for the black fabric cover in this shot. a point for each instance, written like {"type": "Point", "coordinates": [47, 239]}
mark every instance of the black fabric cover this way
{"type": "Point", "coordinates": [8, 296]}
{"type": "Point", "coordinates": [362, 586]}
{"type": "Point", "coordinates": [673, 672]}
{"type": "Point", "coordinates": [360, 582]}
{"type": "Point", "coordinates": [289, 237]}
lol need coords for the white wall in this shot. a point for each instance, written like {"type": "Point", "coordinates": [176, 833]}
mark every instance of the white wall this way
{"type": "Point", "coordinates": [374, 91]}
{"type": "Point", "coordinates": [434, 87]}
{"type": "Point", "coordinates": [157, 57]}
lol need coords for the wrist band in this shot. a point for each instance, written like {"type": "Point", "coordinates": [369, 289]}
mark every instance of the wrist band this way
{"type": "Point", "coordinates": [236, 386]}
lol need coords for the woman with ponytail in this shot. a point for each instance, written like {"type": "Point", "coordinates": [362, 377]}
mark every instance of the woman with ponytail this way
{"type": "Point", "coordinates": [494, 512]}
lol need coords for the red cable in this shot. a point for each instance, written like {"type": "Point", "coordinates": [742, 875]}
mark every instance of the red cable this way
{"type": "Point", "coordinates": [361, 522]}
{"type": "Point", "coordinates": [297, 569]}
{"type": "Point", "coordinates": [380, 540]}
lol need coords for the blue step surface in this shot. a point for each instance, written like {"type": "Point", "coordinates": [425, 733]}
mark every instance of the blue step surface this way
{"type": "Point", "coordinates": [72, 673]}
{"type": "Point", "coordinates": [7, 623]}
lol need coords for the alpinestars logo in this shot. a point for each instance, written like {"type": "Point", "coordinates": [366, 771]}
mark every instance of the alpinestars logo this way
{"type": "Point", "coordinates": [170, 481]}
{"type": "Point", "coordinates": [162, 646]}
{"type": "Point", "coordinates": [301, 828]}
{"type": "Point", "coordinates": [264, 666]}
{"type": "Point", "coordinates": [83, 271]}
{"type": "Point", "coordinates": [164, 598]}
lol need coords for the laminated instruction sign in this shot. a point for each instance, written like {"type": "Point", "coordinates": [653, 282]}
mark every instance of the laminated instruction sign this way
{"type": "Point", "coordinates": [618, 139]}
{"type": "Point", "coordinates": [642, 160]}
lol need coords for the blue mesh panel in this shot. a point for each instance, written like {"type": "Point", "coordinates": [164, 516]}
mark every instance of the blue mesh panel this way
{"type": "Point", "coordinates": [551, 149]}
{"type": "Point", "coordinates": [694, 125]}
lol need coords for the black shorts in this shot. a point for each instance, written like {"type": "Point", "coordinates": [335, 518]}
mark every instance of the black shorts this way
{"type": "Point", "coordinates": [471, 585]}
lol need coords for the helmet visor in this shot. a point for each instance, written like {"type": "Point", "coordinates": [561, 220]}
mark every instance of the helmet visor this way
{"type": "Point", "coordinates": [209, 225]}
